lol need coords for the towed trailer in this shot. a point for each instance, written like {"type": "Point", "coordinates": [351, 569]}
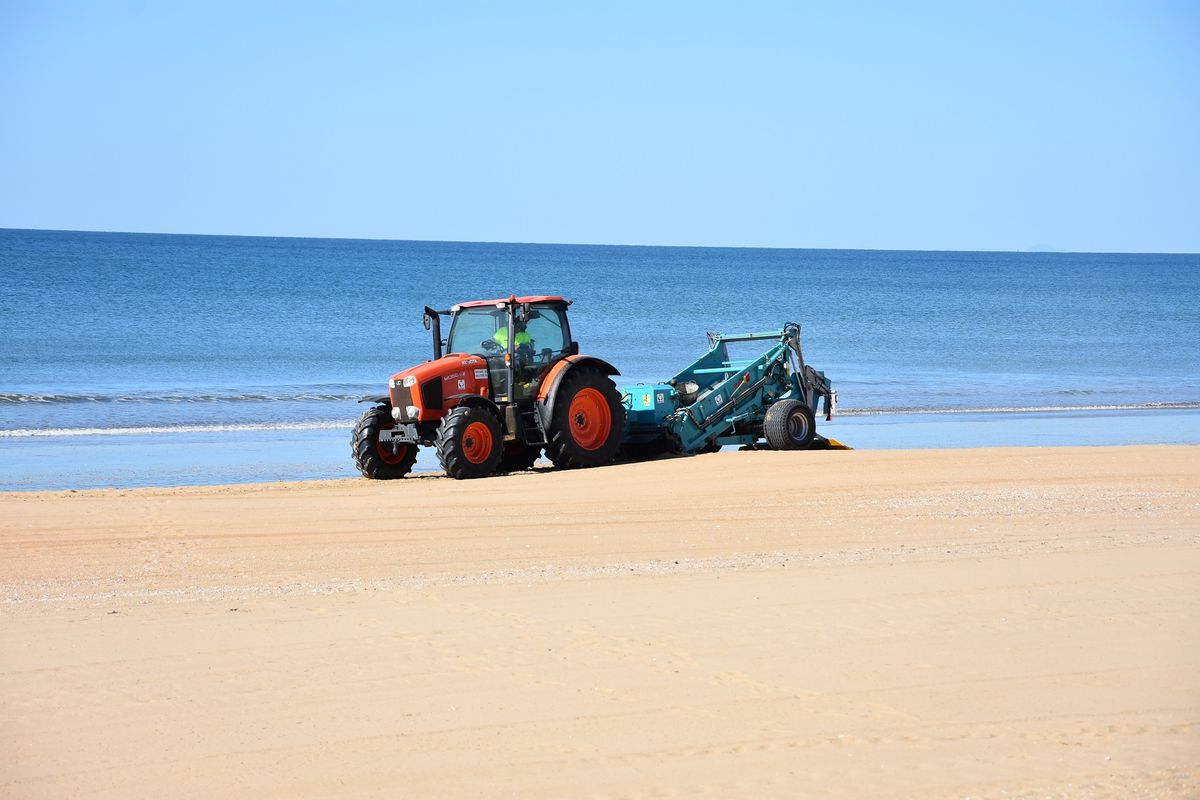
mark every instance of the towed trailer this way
{"type": "Point", "coordinates": [720, 400]}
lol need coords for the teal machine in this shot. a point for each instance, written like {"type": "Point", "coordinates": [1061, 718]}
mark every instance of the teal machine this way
{"type": "Point", "coordinates": [719, 400]}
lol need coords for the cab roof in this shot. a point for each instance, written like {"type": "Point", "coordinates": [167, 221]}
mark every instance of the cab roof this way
{"type": "Point", "coordinates": [532, 298]}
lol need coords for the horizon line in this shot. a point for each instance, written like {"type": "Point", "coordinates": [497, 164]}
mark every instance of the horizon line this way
{"type": "Point", "coordinates": [610, 244]}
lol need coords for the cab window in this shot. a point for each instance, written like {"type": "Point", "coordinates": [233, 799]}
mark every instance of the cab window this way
{"type": "Point", "coordinates": [546, 328]}
{"type": "Point", "coordinates": [472, 326]}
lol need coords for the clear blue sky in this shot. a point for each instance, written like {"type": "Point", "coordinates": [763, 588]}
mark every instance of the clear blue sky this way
{"type": "Point", "coordinates": [958, 125]}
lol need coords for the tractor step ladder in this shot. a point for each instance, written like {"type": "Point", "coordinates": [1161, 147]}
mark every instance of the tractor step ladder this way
{"type": "Point", "coordinates": [531, 423]}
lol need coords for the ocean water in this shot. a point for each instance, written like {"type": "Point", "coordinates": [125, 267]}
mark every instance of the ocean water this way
{"type": "Point", "coordinates": [134, 359]}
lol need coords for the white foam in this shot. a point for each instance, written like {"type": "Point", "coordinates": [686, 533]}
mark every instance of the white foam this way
{"type": "Point", "coordinates": [182, 396]}
{"type": "Point", "coordinates": [150, 430]}
{"type": "Point", "coordinates": [879, 412]}
{"type": "Point", "coordinates": [159, 429]}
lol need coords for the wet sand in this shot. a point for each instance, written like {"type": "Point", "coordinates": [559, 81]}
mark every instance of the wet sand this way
{"type": "Point", "coordinates": [983, 623]}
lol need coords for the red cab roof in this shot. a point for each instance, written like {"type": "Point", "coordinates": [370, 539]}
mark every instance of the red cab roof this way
{"type": "Point", "coordinates": [532, 298]}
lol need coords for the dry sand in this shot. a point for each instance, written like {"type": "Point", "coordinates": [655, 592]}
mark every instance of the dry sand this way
{"type": "Point", "coordinates": [970, 623]}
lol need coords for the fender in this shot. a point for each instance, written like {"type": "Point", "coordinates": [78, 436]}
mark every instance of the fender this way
{"type": "Point", "coordinates": [548, 390]}
{"type": "Point", "coordinates": [479, 401]}
{"type": "Point", "coordinates": [383, 401]}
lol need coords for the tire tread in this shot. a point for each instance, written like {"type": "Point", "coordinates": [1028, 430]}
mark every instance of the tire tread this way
{"type": "Point", "coordinates": [775, 425]}
{"type": "Point", "coordinates": [561, 447]}
{"type": "Point", "coordinates": [363, 441]}
{"type": "Point", "coordinates": [448, 443]}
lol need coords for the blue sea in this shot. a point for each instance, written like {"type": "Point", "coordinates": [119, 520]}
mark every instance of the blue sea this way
{"type": "Point", "coordinates": [147, 359]}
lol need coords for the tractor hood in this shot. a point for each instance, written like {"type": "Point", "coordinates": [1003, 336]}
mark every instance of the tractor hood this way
{"type": "Point", "coordinates": [424, 392]}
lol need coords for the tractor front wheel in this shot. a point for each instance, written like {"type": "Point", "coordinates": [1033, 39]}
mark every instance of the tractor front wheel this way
{"type": "Point", "coordinates": [376, 459]}
{"type": "Point", "coordinates": [469, 442]}
{"type": "Point", "coordinates": [588, 421]}
{"type": "Point", "coordinates": [789, 425]}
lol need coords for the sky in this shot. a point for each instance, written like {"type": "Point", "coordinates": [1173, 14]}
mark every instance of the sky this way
{"type": "Point", "coordinates": [927, 126]}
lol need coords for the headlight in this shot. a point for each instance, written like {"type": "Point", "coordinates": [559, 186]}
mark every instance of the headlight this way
{"type": "Point", "coordinates": [413, 412]}
{"type": "Point", "coordinates": [409, 381]}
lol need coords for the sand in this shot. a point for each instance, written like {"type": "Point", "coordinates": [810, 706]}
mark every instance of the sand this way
{"type": "Point", "coordinates": [924, 624]}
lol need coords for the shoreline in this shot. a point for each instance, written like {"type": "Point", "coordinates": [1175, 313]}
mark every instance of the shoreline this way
{"type": "Point", "coordinates": [542, 468]}
{"type": "Point", "coordinates": [339, 424]}
{"type": "Point", "coordinates": [246, 457]}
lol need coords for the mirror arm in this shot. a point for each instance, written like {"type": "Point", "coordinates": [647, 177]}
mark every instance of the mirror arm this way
{"type": "Point", "coordinates": [434, 320]}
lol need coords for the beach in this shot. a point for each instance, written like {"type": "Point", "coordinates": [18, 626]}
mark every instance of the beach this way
{"type": "Point", "coordinates": [1012, 622]}
{"type": "Point", "coordinates": [550, 401]}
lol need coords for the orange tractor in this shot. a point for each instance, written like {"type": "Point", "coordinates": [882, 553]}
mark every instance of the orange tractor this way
{"type": "Point", "coordinates": [511, 384]}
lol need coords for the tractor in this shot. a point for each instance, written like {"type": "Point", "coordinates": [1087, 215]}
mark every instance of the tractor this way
{"type": "Point", "coordinates": [511, 385]}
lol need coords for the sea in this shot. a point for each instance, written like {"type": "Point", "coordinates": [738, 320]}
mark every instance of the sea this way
{"type": "Point", "coordinates": [150, 359]}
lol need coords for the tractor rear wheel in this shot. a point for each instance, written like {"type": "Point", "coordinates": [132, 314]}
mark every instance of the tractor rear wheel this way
{"type": "Point", "coordinates": [374, 458]}
{"type": "Point", "coordinates": [789, 425]}
{"type": "Point", "coordinates": [469, 442]}
{"type": "Point", "coordinates": [588, 422]}
{"type": "Point", "coordinates": [518, 457]}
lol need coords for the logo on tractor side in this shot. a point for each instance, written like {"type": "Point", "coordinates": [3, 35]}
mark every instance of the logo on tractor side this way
{"type": "Point", "coordinates": [462, 384]}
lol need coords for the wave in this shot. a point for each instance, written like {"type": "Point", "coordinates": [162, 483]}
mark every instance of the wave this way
{"type": "Point", "coordinates": [184, 396]}
{"type": "Point", "coordinates": [157, 429]}
{"type": "Point", "coordinates": [347, 424]}
{"type": "Point", "coordinates": [879, 412]}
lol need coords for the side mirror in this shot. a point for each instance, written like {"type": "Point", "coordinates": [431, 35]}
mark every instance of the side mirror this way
{"type": "Point", "coordinates": [523, 313]}
{"type": "Point", "coordinates": [573, 349]}
{"type": "Point", "coordinates": [427, 322]}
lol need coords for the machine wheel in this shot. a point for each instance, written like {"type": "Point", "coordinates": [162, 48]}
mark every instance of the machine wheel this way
{"type": "Point", "coordinates": [376, 460]}
{"type": "Point", "coordinates": [519, 457]}
{"type": "Point", "coordinates": [589, 420]}
{"type": "Point", "coordinates": [469, 442]}
{"type": "Point", "coordinates": [789, 425]}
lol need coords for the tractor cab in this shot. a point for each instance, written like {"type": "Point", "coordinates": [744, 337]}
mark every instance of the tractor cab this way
{"type": "Point", "coordinates": [537, 328]}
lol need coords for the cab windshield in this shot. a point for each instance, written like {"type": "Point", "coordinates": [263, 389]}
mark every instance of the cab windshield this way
{"type": "Point", "coordinates": [472, 327]}
{"type": "Point", "coordinates": [484, 331]}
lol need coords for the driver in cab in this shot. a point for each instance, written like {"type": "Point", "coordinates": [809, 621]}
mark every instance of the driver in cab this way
{"type": "Point", "coordinates": [523, 349]}
{"type": "Point", "coordinates": [523, 339]}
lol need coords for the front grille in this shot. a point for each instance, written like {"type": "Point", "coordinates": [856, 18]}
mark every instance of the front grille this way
{"type": "Point", "coordinates": [401, 399]}
{"type": "Point", "coordinates": [431, 394]}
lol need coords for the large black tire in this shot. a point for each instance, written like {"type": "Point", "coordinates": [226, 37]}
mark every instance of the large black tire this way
{"type": "Point", "coordinates": [588, 422]}
{"type": "Point", "coordinates": [518, 457]}
{"type": "Point", "coordinates": [789, 425]}
{"type": "Point", "coordinates": [375, 460]}
{"type": "Point", "coordinates": [469, 442]}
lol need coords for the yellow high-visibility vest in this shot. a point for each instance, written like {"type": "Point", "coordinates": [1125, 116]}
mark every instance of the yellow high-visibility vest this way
{"type": "Point", "coordinates": [501, 338]}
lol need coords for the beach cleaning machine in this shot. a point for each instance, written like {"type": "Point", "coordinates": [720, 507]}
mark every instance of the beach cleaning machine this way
{"type": "Point", "coordinates": [721, 400]}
